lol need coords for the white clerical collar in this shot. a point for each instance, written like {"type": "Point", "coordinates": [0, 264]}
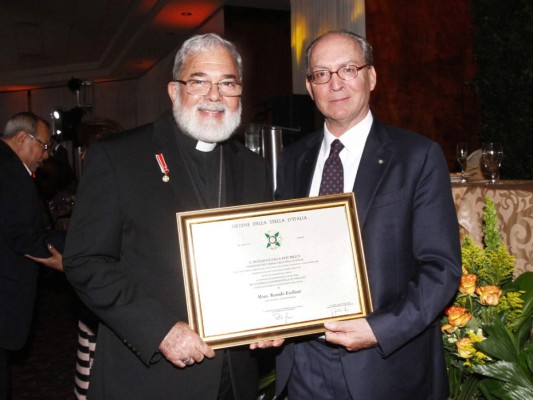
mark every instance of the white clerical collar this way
{"type": "Point", "coordinates": [205, 146]}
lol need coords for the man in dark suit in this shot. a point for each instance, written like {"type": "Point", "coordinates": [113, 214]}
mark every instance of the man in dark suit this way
{"type": "Point", "coordinates": [23, 232]}
{"type": "Point", "coordinates": [409, 232]}
{"type": "Point", "coordinates": [122, 251]}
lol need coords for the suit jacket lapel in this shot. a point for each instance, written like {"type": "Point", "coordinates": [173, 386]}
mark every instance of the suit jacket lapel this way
{"type": "Point", "coordinates": [306, 166]}
{"type": "Point", "coordinates": [375, 162]}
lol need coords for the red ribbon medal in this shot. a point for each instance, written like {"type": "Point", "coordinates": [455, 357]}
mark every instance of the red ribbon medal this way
{"type": "Point", "coordinates": [163, 165]}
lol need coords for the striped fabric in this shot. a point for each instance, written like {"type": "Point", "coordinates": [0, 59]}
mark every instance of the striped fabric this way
{"type": "Point", "coordinates": [84, 361]}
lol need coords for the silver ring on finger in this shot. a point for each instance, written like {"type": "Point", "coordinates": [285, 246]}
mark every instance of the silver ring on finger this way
{"type": "Point", "coordinates": [187, 361]}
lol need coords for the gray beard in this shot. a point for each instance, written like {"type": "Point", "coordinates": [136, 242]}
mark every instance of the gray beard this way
{"type": "Point", "coordinates": [210, 131]}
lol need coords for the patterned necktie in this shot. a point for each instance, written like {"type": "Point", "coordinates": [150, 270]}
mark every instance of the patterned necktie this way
{"type": "Point", "coordinates": [333, 173]}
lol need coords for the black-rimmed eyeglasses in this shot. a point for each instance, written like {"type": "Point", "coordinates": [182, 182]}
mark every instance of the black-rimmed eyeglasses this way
{"type": "Point", "coordinates": [199, 87]}
{"type": "Point", "coordinates": [45, 145]}
{"type": "Point", "coordinates": [346, 73]}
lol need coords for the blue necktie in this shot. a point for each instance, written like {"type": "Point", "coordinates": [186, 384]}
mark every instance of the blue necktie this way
{"type": "Point", "coordinates": [333, 173]}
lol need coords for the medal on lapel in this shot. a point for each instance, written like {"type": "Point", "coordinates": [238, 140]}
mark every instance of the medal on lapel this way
{"type": "Point", "coordinates": [163, 166]}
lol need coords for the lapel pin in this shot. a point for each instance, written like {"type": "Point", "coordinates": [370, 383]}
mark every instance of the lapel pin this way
{"type": "Point", "coordinates": [380, 161]}
{"type": "Point", "coordinates": [163, 166]}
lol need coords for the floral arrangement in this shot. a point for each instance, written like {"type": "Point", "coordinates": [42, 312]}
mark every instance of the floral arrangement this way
{"type": "Point", "coordinates": [487, 330]}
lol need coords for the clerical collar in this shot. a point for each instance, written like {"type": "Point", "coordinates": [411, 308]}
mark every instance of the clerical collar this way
{"type": "Point", "coordinates": [205, 146]}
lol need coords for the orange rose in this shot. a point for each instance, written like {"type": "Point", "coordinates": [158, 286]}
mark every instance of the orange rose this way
{"type": "Point", "coordinates": [489, 295]}
{"type": "Point", "coordinates": [468, 284]}
{"type": "Point", "coordinates": [457, 316]}
{"type": "Point", "coordinates": [449, 329]}
{"type": "Point", "coordinates": [465, 348]}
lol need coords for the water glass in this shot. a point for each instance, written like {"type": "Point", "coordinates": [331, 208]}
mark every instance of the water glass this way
{"type": "Point", "coordinates": [253, 138]}
{"type": "Point", "coordinates": [491, 157]}
{"type": "Point", "coordinates": [462, 155]}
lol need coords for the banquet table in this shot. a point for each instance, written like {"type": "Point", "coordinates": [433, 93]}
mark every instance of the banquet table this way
{"type": "Point", "coordinates": [514, 205]}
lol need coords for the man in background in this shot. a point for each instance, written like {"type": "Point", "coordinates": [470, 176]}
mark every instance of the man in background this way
{"type": "Point", "coordinates": [25, 237]}
{"type": "Point", "coordinates": [409, 231]}
{"type": "Point", "coordinates": [122, 253]}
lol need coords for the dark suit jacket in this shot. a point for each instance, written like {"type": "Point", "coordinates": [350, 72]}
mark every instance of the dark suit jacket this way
{"type": "Point", "coordinates": [410, 238]}
{"type": "Point", "coordinates": [23, 230]}
{"type": "Point", "coordinates": [122, 257]}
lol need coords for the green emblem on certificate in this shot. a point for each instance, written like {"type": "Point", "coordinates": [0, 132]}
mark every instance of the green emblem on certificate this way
{"type": "Point", "coordinates": [273, 240]}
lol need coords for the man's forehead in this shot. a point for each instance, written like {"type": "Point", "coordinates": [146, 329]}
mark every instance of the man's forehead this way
{"type": "Point", "coordinates": [43, 131]}
{"type": "Point", "coordinates": [212, 64]}
{"type": "Point", "coordinates": [337, 43]}
{"type": "Point", "coordinates": [218, 60]}
{"type": "Point", "coordinates": [336, 46]}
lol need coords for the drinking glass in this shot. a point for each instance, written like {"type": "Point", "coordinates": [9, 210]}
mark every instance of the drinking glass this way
{"type": "Point", "coordinates": [253, 138]}
{"type": "Point", "coordinates": [462, 155]}
{"type": "Point", "coordinates": [491, 157]}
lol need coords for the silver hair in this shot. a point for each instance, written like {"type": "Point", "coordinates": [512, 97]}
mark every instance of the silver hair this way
{"type": "Point", "coordinates": [25, 121]}
{"type": "Point", "coordinates": [202, 44]}
{"type": "Point", "coordinates": [365, 46]}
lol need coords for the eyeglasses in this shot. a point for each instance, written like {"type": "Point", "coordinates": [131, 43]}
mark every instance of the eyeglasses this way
{"type": "Point", "coordinates": [346, 73]}
{"type": "Point", "coordinates": [45, 145]}
{"type": "Point", "coordinates": [202, 88]}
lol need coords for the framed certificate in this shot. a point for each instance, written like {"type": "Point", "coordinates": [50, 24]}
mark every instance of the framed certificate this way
{"type": "Point", "coordinates": [272, 270]}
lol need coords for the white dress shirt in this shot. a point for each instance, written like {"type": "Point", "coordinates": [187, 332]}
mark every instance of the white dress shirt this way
{"type": "Point", "coordinates": [27, 169]}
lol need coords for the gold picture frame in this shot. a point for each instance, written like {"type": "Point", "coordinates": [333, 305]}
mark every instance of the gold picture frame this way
{"type": "Point", "coordinates": [272, 270]}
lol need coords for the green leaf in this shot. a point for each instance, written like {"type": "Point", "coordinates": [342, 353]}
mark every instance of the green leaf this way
{"type": "Point", "coordinates": [500, 343]}
{"type": "Point", "coordinates": [463, 385]}
{"type": "Point", "coordinates": [528, 359]}
{"type": "Point", "coordinates": [507, 372]}
{"type": "Point", "coordinates": [266, 380]}
{"type": "Point", "coordinates": [526, 285]}
{"type": "Point", "coordinates": [525, 282]}
{"type": "Point", "coordinates": [489, 388]}
{"type": "Point", "coordinates": [267, 387]}
{"type": "Point", "coordinates": [497, 390]}
{"type": "Point", "coordinates": [469, 388]}
{"type": "Point", "coordinates": [523, 332]}
{"type": "Point", "coordinates": [514, 392]}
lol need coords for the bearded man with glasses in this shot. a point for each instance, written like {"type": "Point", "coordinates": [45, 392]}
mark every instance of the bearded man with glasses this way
{"type": "Point", "coordinates": [122, 253]}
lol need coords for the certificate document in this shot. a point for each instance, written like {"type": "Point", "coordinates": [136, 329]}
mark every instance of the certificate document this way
{"type": "Point", "coordinates": [272, 270]}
